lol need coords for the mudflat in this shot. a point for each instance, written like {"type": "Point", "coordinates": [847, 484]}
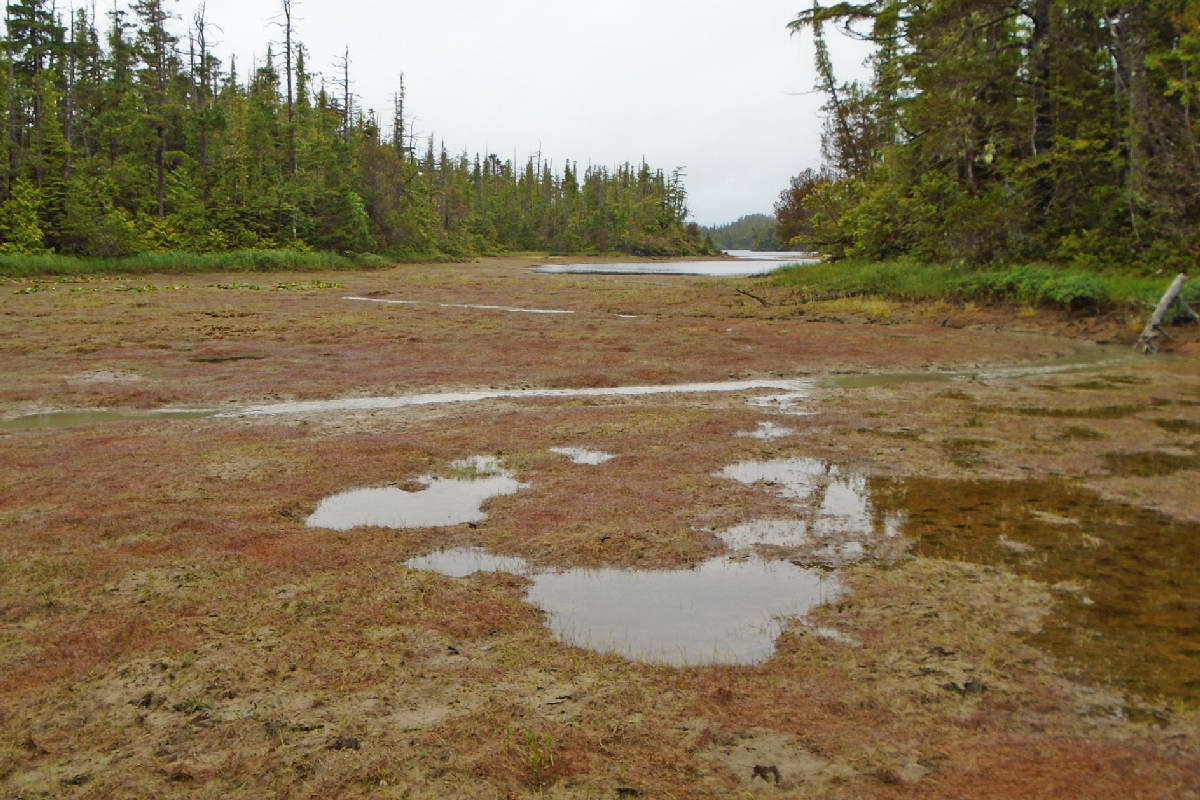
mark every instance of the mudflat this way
{"type": "Point", "coordinates": [720, 541]}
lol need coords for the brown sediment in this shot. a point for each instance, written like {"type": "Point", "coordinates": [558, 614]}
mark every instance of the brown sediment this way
{"type": "Point", "coordinates": [170, 626]}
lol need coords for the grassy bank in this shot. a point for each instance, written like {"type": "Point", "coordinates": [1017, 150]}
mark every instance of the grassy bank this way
{"type": "Point", "coordinates": [1044, 286]}
{"type": "Point", "coordinates": [20, 266]}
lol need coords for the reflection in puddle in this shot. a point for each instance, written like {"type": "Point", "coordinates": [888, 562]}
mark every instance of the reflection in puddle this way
{"type": "Point", "coordinates": [1127, 579]}
{"type": "Point", "coordinates": [834, 507]}
{"type": "Point", "coordinates": [581, 455]}
{"type": "Point", "coordinates": [768, 430]}
{"type": "Point", "coordinates": [445, 501]}
{"type": "Point", "coordinates": [774, 532]}
{"type": "Point", "coordinates": [464, 561]}
{"type": "Point", "coordinates": [725, 611]}
{"type": "Point", "coordinates": [513, 309]}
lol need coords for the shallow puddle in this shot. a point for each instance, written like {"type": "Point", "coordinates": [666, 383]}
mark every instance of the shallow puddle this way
{"type": "Point", "coordinates": [835, 516]}
{"type": "Point", "coordinates": [768, 430]}
{"type": "Point", "coordinates": [444, 501]}
{"type": "Point", "coordinates": [725, 611]}
{"type": "Point", "coordinates": [581, 455]}
{"type": "Point", "coordinates": [1127, 579]}
{"type": "Point", "coordinates": [464, 561]}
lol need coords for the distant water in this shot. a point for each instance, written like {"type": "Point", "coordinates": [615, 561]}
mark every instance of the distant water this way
{"type": "Point", "coordinates": [748, 262]}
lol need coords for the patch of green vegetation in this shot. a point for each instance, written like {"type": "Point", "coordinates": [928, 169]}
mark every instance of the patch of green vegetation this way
{"type": "Point", "coordinates": [1178, 425]}
{"type": "Point", "coordinates": [177, 262]}
{"type": "Point", "coordinates": [1101, 412]}
{"type": "Point", "coordinates": [966, 452]}
{"type": "Point", "coordinates": [1080, 433]}
{"type": "Point", "coordinates": [1071, 289]}
{"type": "Point", "coordinates": [301, 286]}
{"type": "Point", "coordinates": [1148, 464]}
{"type": "Point", "coordinates": [473, 470]}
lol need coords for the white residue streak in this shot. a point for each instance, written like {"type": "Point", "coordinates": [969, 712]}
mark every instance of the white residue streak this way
{"type": "Point", "coordinates": [796, 387]}
{"type": "Point", "coordinates": [514, 309]}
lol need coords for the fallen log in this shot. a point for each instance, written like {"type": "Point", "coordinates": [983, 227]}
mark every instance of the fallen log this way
{"type": "Point", "coordinates": [1148, 341]}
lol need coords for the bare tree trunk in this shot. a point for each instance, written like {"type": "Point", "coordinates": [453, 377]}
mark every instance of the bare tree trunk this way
{"type": "Point", "coordinates": [1148, 341]}
{"type": "Point", "coordinates": [291, 105]}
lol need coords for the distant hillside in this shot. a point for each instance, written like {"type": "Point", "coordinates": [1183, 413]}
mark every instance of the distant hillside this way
{"type": "Point", "coordinates": [751, 232]}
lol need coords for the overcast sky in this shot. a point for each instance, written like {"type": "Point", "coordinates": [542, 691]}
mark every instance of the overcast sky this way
{"type": "Point", "coordinates": [716, 86]}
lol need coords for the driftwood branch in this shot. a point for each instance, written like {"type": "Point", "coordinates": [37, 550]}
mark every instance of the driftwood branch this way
{"type": "Point", "coordinates": [1148, 341]}
{"type": "Point", "coordinates": [753, 297]}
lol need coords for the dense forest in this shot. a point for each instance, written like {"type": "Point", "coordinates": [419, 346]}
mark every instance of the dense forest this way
{"type": "Point", "coordinates": [1007, 130]}
{"type": "Point", "coordinates": [123, 136]}
{"type": "Point", "coordinates": [750, 232]}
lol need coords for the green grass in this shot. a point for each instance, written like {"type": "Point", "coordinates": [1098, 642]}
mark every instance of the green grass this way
{"type": "Point", "coordinates": [179, 263]}
{"type": "Point", "coordinates": [1032, 285]}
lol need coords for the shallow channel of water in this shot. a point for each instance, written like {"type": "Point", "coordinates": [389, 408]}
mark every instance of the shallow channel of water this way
{"type": "Point", "coordinates": [795, 392]}
{"type": "Point", "coordinates": [744, 263]}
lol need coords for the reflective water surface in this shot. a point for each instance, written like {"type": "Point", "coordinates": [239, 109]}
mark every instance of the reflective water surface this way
{"type": "Point", "coordinates": [740, 267]}
{"type": "Point", "coordinates": [445, 501]}
{"type": "Point", "coordinates": [725, 611]}
{"type": "Point", "coordinates": [464, 561]}
{"type": "Point", "coordinates": [582, 455]}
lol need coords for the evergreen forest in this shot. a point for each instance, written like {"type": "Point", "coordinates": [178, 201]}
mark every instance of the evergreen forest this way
{"type": "Point", "coordinates": [125, 134]}
{"type": "Point", "coordinates": [749, 232]}
{"type": "Point", "coordinates": [1004, 131]}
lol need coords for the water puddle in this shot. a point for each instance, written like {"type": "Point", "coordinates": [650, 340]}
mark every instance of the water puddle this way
{"type": "Point", "coordinates": [836, 520]}
{"type": "Point", "coordinates": [511, 309]}
{"type": "Point", "coordinates": [1127, 579]}
{"type": "Point", "coordinates": [581, 455]}
{"type": "Point", "coordinates": [445, 501]}
{"type": "Point", "coordinates": [464, 561]}
{"type": "Point", "coordinates": [767, 431]}
{"type": "Point", "coordinates": [725, 611]}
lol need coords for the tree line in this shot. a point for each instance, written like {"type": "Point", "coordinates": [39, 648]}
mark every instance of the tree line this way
{"type": "Point", "coordinates": [1007, 130]}
{"type": "Point", "coordinates": [748, 232]}
{"type": "Point", "coordinates": [123, 136]}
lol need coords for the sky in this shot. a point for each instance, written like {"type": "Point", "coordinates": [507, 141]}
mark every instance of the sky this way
{"type": "Point", "coordinates": [718, 87]}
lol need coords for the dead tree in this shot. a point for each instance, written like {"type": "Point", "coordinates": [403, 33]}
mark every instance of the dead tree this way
{"type": "Point", "coordinates": [1148, 341]}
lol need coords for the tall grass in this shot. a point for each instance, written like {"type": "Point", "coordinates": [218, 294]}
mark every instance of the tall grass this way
{"type": "Point", "coordinates": [177, 263]}
{"type": "Point", "coordinates": [1033, 285]}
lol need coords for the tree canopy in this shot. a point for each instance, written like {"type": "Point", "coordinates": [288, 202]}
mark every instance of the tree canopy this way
{"type": "Point", "coordinates": [994, 130]}
{"type": "Point", "coordinates": [126, 134]}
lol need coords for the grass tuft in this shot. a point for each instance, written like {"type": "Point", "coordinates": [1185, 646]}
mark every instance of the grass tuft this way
{"type": "Point", "coordinates": [1031, 286]}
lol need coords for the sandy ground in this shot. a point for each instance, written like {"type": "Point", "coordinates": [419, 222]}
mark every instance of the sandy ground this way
{"type": "Point", "coordinates": [1017, 615]}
